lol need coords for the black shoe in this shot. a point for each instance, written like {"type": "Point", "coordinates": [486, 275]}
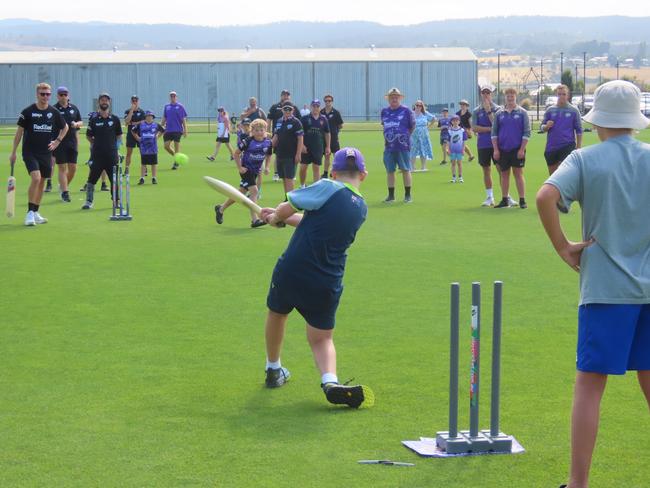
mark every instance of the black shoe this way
{"type": "Point", "coordinates": [324, 175]}
{"type": "Point", "coordinates": [562, 208]}
{"type": "Point", "coordinates": [389, 199]}
{"type": "Point", "coordinates": [175, 166]}
{"type": "Point", "coordinates": [48, 186]}
{"type": "Point", "coordinates": [522, 204]}
{"type": "Point", "coordinates": [504, 203]}
{"type": "Point", "coordinates": [276, 377]}
{"type": "Point", "coordinates": [352, 396]}
{"type": "Point", "coordinates": [65, 196]}
{"type": "Point", "coordinates": [105, 187]}
{"type": "Point", "coordinates": [141, 181]}
{"type": "Point", "coordinates": [257, 223]}
{"type": "Point", "coordinates": [218, 214]}
{"type": "Point", "coordinates": [154, 181]}
{"type": "Point", "coordinates": [443, 162]}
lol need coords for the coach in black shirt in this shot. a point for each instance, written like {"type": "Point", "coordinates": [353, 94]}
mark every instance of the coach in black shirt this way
{"type": "Point", "coordinates": [104, 133]}
{"type": "Point", "coordinates": [133, 116]}
{"type": "Point", "coordinates": [288, 142]}
{"type": "Point", "coordinates": [43, 129]}
{"type": "Point", "coordinates": [336, 124]}
{"type": "Point", "coordinates": [66, 154]}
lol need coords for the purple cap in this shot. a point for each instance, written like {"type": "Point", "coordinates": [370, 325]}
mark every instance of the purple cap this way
{"type": "Point", "coordinates": [316, 102]}
{"type": "Point", "coordinates": [149, 112]}
{"type": "Point", "coordinates": [62, 89]}
{"type": "Point", "coordinates": [455, 117]}
{"type": "Point", "coordinates": [341, 159]}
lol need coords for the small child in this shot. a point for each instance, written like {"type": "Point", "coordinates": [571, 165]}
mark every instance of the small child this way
{"type": "Point", "coordinates": [249, 156]}
{"type": "Point", "coordinates": [610, 181]}
{"type": "Point", "coordinates": [456, 148]}
{"type": "Point", "coordinates": [309, 275]}
{"type": "Point", "coordinates": [146, 133]}
{"type": "Point", "coordinates": [443, 124]}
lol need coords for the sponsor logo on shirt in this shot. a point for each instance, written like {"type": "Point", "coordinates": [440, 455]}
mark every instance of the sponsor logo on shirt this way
{"type": "Point", "coordinates": [49, 115]}
{"type": "Point", "coordinates": [42, 128]}
{"type": "Point", "coordinates": [71, 111]}
{"type": "Point", "coordinates": [37, 115]}
{"type": "Point", "coordinates": [516, 116]}
{"type": "Point", "coordinates": [289, 126]}
{"type": "Point", "coordinates": [110, 123]}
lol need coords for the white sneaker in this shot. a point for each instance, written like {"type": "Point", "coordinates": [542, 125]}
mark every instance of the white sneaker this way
{"type": "Point", "coordinates": [87, 206]}
{"type": "Point", "coordinates": [453, 180]}
{"type": "Point", "coordinates": [489, 202]}
{"type": "Point", "coordinates": [511, 202]}
{"type": "Point", "coordinates": [29, 218]}
{"type": "Point", "coordinates": [39, 219]}
{"type": "Point", "coordinates": [276, 177]}
{"type": "Point", "coordinates": [460, 180]}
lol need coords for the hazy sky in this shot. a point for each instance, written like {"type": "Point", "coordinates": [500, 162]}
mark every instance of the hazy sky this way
{"type": "Point", "coordinates": [216, 12]}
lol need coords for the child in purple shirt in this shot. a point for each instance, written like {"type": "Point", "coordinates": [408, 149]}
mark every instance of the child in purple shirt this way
{"type": "Point", "coordinates": [146, 133]}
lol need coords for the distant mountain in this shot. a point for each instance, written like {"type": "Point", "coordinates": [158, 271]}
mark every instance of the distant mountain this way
{"type": "Point", "coordinates": [529, 34]}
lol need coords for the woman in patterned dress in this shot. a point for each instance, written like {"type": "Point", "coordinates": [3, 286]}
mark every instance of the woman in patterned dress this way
{"type": "Point", "coordinates": [420, 140]}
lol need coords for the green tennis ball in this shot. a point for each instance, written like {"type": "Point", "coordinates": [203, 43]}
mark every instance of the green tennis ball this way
{"type": "Point", "coordinates": [181, 158]}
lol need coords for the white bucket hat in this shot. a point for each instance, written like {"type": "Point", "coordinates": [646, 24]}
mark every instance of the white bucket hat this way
{"type": "Point", "coordinates": [617, 105]}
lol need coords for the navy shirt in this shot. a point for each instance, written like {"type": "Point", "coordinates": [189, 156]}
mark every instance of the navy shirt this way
{"type": "Point", "coordinates": [104, 131]}
{"type": "Point", "coordinates": [70, 114]}
{"type": "Point", "coordinates": [335, 121]}
{"type": "Point", "coordinates": [138, 115]}
{"type": "Point", "coordinates": [40, 128]}
{"type": "Point", "coordinates": [288, 132]}
{"type": "Point", "coordinates": [315, 130]}
{"type": "Point", "coordinates": [316, 255]}
{"type": "Point", "coordinates": [275, 115]}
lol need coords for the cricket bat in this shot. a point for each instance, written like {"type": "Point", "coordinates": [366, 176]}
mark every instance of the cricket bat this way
{"type": "Point", "coordinates": [234, 194]}
{"type": "Point", "coordinates": [11, 194]}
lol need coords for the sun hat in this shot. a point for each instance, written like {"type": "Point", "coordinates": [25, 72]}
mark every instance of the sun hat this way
{"type": "Point", "coordinates": [617, 105]}
{"type": "Point", "coordinates": [463, 102]}
{"type": "Point", "coordinates": [394, 91]}
{"type": "Point", "coordinates": [341, 156]}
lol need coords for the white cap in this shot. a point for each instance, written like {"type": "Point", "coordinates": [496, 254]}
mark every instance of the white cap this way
{"type": "Point", "coordinates": [617, 105]}
{"type": "Point", "coordinates": [487, 86]}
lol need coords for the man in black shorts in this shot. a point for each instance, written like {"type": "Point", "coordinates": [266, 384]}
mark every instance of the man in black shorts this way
{"type": "Point", "coordinates": [316, 142]}
{"type": "Point", "coordinates": [104, 134]}
{"type": "Point", "coordinates": [336, 124]}
{"type": "Point", "coordinates": [133, 116]}
{"type": "Point", "coordinates": [482, 119]}
{"type": "Point", "coordinates": [44, 129]}
{"type": "Point", "coordinates": [66, 154]}
{"type": "Point", "coordinates": [275, 116]}
{"type": "Point", "coordinates": [288, 142]}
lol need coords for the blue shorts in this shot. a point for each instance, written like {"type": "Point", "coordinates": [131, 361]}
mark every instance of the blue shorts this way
{"type": "Point", "coordinates": [613, 339]}
{"type": "Point", "coordinates": [456, 156]}
{"type": "Point", "coordinates": [444, 138]}
{"type": "Point", "coordinates": [397, 159]}
{"type": "Point", "coordinates": [317, 306]}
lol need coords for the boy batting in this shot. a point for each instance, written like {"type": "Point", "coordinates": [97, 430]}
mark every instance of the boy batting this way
{"type": "Point", "coordinates": [308, 276]}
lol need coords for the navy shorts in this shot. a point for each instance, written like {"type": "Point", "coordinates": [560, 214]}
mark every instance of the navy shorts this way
{"type": "Point", "coordinates": [130, 140]}
{"type": "Point", "coordinates": [397, 159]}
{"type": "Point", "coordinates": [148, 159]}
{"type": "Point", "coordinates": [39, 162]}
{"type": "Point", "coordinates": [613, 339]}
{"type": "Point", "coordinates": [286, 168]}
{"type": "Point", "coordinates": [444, 138]}
{"type": "Point", "coordinates": [317, 306]}
{"type": "Point", "coordinates": [66, 154]}
{"type": "Point", "coordinates": [248, 179]}
{"type": "Point", "coordinates": [311, 158]}
{"type": "Point", "coordinates": [172, 136]}
{"type": "Point", "coordinates": [509, 160]}
{"type": "Point", "coordinates": [558, 155]}
{"type": "Point", "coordinates": [485, 156]}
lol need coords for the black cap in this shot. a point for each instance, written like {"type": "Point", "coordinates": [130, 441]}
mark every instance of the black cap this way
{"type": "Point", "coordinates": [287, 103]}
{"type": "Point", "coordinates": [135, 96]}
{"type": "Point", "coordinates": [246, 121]}
{"type": "Point", "coordinates": [285, 92]}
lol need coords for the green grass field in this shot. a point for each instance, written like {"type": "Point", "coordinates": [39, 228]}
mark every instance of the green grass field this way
{"type": "Point", "coordinates": [132, 353]}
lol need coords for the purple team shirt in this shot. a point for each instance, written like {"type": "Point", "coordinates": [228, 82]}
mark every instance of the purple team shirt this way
{"type": "Point", "coordinates": [480, 117]}
{"type": "Point", "coordinates": [566, 124]}
{"type": "Point", "coordinates": [457, 138]}
{"type": "Point", "coordinates": [174, 114]}
{"type": "Point", "coordinates": [511, 128]}
{"type": "Point", "coordinates": [254, 152]}
{"type": "Point", "coordinates": [148, 133]}
{"type": "Point", "coordinates": [398, 125]}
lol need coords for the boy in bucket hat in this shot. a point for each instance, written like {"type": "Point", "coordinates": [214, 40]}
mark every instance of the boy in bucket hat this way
{"type": "Point", "coordinates": [610, 181]}
{"type": "Point", "coordinates": [309, 275]}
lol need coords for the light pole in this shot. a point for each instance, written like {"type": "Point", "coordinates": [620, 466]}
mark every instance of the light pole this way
{"type": "Point", "coordinates": [561, 65]}
{"type": "Point", "coordinates": [584, 77]}
{"type": "Point", "coordinates": [498, 78]}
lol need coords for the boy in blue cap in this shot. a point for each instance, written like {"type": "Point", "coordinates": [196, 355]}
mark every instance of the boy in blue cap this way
{"type": "Point", "coordinates": [309, 274]}
{"type": "Point", "coordinates": [610, 181]}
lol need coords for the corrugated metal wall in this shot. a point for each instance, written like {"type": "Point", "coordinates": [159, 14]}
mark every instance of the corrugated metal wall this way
{"type": "Point", "coordinates": [358, 87]}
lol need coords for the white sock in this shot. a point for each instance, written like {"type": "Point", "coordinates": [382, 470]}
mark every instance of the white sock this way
{"type": "Point", "coordinates": [490, 193]}
{"type": "Point", "coordinates": [329, 378]}
{"type": "Point", "coordinates": [273, 364]}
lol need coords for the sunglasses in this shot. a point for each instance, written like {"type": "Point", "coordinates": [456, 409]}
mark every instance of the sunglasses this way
{"type": "Point", "coordinates": [62, 94]}
{"type": "Point", "coordinates": [45, 94]}
{"type": "Point", "coordinates": [287, 109]}
{"type": "Point", "coordinates": [328, 100]}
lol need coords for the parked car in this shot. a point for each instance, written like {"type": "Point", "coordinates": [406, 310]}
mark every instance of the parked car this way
{"type": "Point", "coordinates": [645, 103]}
{"type": "Point", "coordinates": [550, 101]}
{"type": "Point", "coordinates": [583, 105]}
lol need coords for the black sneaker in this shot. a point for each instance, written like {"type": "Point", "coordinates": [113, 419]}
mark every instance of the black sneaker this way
{"type": "Point", "coordinates": [504, 203]}
{"type": "Point", "coordinates": [141, 181]}
{"type": "Point", "coordinates": [389, 199]}
{"type": "Point", "coordinates": [276, 377]}
{"type": "Point", "coordinates": [175, 166]}
{"type": "Point", "coordinates": [218, 214]}
{"type": "Point", "coordinates": [408, 199]}
{"type": "Point", "coordinates": [353, 396]}
{"type": "Point", "coordinates": [154, 181]}
{"type": "Point", "coordinates": [443, 162]}
{"type": "Point", "coordinates": [257, 223]}
{"type": "Point", "coordinates": [522, 204]}
{"type": "Point", "coordinates": [65, 196]}
{"type": "Point", "coordinates": [48, 186]}
{"type": "Point", "coordinates": [105, 187]}
{"type": "Point", "coordinates": [324, 175]}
